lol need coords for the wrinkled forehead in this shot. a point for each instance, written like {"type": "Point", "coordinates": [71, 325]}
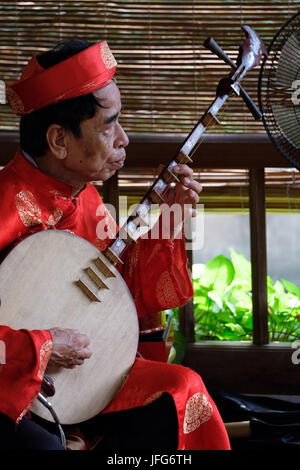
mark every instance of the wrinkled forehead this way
{"type": "Point", "coordinates": [109, 96]}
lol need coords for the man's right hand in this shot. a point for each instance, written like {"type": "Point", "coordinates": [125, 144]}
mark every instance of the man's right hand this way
{"type": "Point", "coordinates": [70, 348]}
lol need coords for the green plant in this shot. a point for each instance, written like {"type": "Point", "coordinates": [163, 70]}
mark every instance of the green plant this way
{"type": "Point", "coordinates": [223, 302]}
{"type": "Point", "coordinates": [284, 310]}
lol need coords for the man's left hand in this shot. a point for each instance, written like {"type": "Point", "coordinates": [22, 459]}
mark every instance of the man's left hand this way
{"type": "Point", "coordinates": [186, 192]}
{"type": "Point", "coordinates": [179, 199]}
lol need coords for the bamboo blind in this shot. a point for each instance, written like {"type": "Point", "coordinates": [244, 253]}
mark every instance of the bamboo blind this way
{"type": "Point", "coordinates": [224, 190]}
{"type": "Point", "coordinates": [166, 76]}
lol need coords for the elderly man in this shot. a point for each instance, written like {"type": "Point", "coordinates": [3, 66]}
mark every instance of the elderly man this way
{"type": "Point", "coordinates": [70, 135]}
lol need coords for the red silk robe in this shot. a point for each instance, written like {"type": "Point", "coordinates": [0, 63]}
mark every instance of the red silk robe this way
{"type": "Point", "coordinates": [32, 201]}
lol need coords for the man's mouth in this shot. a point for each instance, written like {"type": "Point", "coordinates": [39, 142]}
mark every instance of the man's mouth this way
{"type": "Point", "coordinates": [118, 163]}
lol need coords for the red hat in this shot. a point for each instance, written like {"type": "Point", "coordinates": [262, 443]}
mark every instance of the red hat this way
{"type": "Point", "coordinates": [83, 73]}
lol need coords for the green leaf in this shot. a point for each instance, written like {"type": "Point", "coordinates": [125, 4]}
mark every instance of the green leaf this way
{"type": "Point", "coordinates": [225, 316]}
{"type": "Point", "coordinates": [242, 267]}
{"type": "Point", "coordinates": [292, 288]}
{"type": "Point", "coordinates": [237, 329]}
{"type": "Point", "coordinates": [279, 288]}
{"type": "Point", "coordinates": [240, 298]}
{"type": "Point", "coordinates": [216, 298]}
{"type": "Point", "coordinates": [218, 274]}
{"type": "Point", "coordinates": [270, 284]}
{"type": "Point", "coordinates": [230, 306]}
{"type": "Point", "coordinates": [180, 346]}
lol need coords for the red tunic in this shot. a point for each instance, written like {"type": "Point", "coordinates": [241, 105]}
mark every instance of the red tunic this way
{"type": "Point", "coordinates": [32, 201]}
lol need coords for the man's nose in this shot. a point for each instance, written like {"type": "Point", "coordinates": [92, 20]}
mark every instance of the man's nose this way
{"type": "Point", "coordinates": [123, 139]}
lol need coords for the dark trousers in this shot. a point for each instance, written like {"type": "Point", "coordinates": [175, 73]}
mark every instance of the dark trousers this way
{"type": "Point", "coordinates": [27, 435]}
{"type": "Point", "coordinates": [150, 427]}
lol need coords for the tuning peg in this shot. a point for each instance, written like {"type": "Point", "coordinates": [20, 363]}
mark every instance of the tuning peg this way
{"type": "Point", "coordinates": [214, 47]}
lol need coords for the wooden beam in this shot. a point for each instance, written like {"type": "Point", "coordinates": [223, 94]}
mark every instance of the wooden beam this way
{"type": "Point", "coordinates": [244, 368]}
{"type": "Point", "coordinates": [216, 150]}
{"type": "Point", "coordinates": [258, 256]}
{"type": "Point", "coordinates": [186, 313]}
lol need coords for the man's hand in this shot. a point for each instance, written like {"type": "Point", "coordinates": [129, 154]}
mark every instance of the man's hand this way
{"type": "Point", "coordinates": [70, 348]}
{"type": "Point", "coordinates": [186, 192]}
{"type": "Point", "coordinates": [179, 200]}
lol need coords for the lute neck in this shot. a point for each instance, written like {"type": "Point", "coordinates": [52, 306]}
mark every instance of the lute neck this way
{"type": "Point", "coordinates": [128, 232]}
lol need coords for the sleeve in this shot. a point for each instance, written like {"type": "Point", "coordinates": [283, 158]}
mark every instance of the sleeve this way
{"type": "Point", "coordinates": [157, 275]}
{"type": "Point", "coordinates": [13, 229]}
{"type": "Point", "coordinates": [24, 356]}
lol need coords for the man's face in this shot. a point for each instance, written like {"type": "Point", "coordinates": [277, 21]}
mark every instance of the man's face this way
{"type": "Point", "coordinates": [100, 150]}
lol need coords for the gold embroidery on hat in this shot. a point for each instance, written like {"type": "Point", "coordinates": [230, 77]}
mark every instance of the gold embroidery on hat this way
{"type": "Point", "coordinates": [107, 56]}
{"type": "Point", "coordinates": [198, 411]}
{"type": "Point", "coordinates": [14, 101]}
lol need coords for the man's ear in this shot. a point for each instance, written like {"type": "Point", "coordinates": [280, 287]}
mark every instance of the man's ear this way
{"type": "Point", "coordinates": [57, 141]}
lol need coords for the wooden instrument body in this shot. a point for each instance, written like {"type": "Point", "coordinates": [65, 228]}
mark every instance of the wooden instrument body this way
{"type": "Point", "coordinates": [39, 290]}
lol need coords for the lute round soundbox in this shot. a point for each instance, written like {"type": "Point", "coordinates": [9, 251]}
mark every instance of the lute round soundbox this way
{"type": "Point", "coordinates": [57, 279]}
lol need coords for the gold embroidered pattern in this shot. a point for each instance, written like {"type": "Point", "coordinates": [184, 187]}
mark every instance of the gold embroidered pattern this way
{"type": "Point", "coordinates": [44, 357]}
{"type": "Point", "coordinates": [59, 195]}
{"type": "Point", "coordinates": [198, 411]}
{"type": "Point", "coordinates": [165, 290]}
{"type": "Point", "coordinates": [14, 101]}
{"type": "Point", "coordinates": [107, 56]}
{"type": "Point", "coordinates": [55, 217]}
{"type": "Point", "coordinates": [30, 213]}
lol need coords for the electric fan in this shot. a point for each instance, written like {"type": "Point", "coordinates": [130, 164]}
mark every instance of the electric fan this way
{"type": "Point", "coordinates": [279, 90]}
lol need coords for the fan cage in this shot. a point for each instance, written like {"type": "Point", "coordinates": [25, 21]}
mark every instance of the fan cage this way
{"type": "Point", "coordinates": [267, 94]}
